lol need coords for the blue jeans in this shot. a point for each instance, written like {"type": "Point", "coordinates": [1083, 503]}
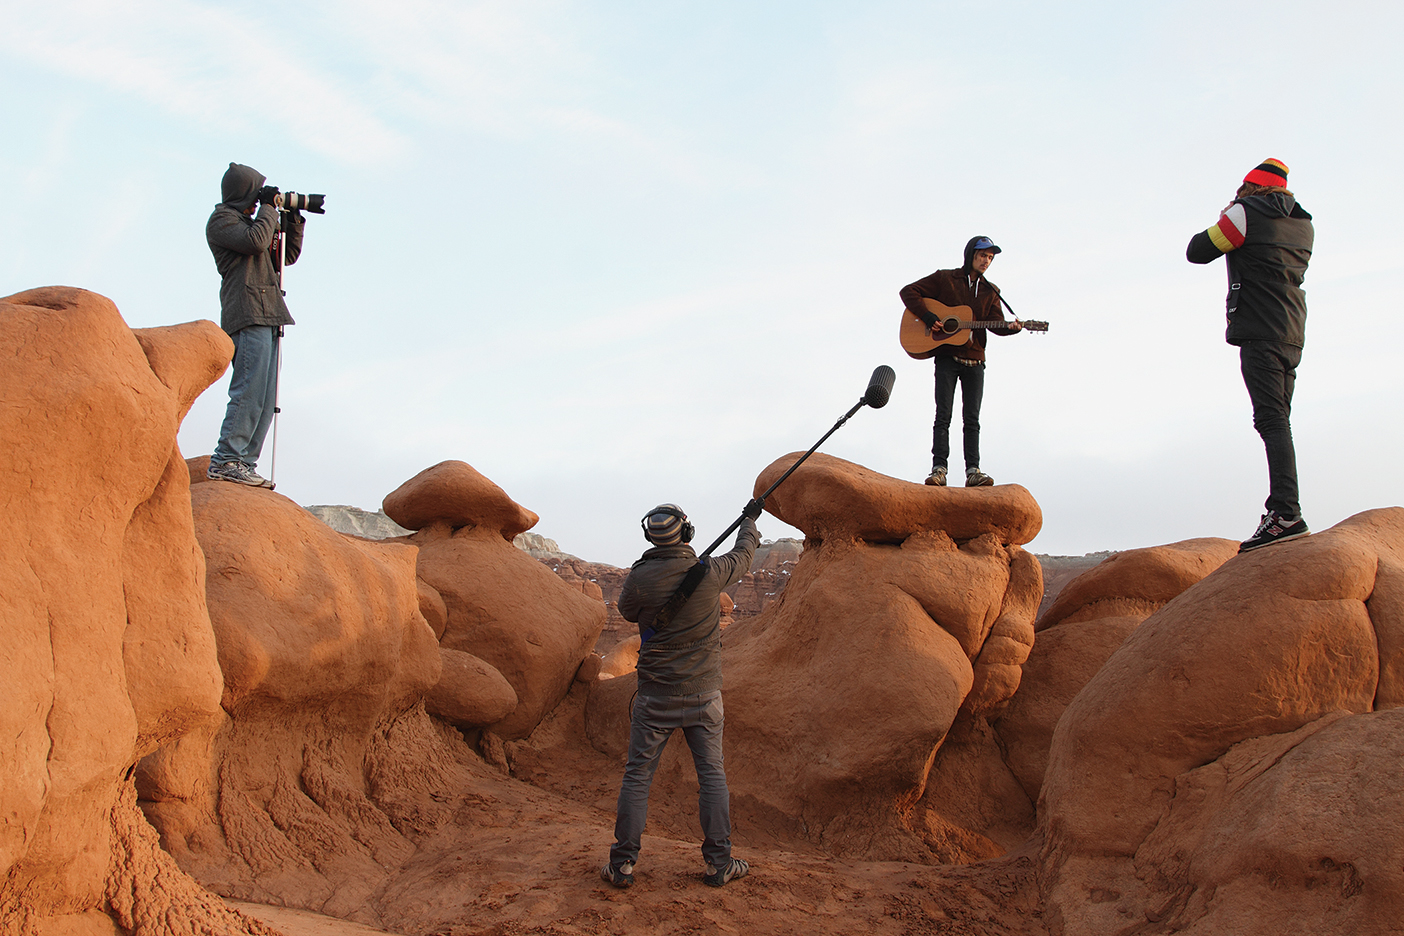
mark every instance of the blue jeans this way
{"type": "Point", "coordinates": [1270, 374]}
{"type": "Point", "coordinates": [653, 723]}
{"type": "Point", "coordinates": [253, 389]}
{"type": "Point", "coordinates": [971, 378]}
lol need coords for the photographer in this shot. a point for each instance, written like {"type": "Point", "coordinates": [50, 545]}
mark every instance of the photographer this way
{"type": "Point", "coordinates": [252, 312]}
{"type": "Point", "coordinates": [680, 683]}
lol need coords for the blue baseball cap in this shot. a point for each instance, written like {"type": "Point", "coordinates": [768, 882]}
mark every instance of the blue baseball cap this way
{"type": "Point", "coordinates": [984, 243]}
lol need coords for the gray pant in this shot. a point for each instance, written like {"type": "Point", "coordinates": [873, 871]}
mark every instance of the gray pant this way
{"type": "Point", "coordinates": [654, 720]}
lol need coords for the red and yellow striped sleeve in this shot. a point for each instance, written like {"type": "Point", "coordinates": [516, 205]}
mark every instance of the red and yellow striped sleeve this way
{"type": "Point", "coordinates": [1230, 230]}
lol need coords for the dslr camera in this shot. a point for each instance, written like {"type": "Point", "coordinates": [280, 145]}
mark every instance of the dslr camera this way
{"type": "Point", "coordinates": [292, 201]}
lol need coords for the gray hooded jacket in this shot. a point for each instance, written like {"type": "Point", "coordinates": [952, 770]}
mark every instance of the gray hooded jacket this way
{"type": "Point", "coordinates": [249, 293]}
{"type": "Point", "coordinates": [683, 658]}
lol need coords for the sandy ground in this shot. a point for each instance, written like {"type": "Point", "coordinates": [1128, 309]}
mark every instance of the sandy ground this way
{"type": "Point", "coordinates": [785, 894]}
{"type": "Point", "coordinates": [302, 922]}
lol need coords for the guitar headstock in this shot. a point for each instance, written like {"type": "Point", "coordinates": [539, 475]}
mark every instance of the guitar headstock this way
{"type": "Point", "coordinates": [1034, 326]}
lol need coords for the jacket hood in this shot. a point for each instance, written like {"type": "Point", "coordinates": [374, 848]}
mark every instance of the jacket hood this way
{"type": "Point", "coordinates": [1275, 204]}
{"type": "Point", "coordinates": [240, 186]}
{"type": "Point", "coordinates": [970, 252]}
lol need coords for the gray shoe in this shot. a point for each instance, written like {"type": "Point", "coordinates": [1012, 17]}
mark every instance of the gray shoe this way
{"type": "Point", "coordinates": [974, 477]}
{"type": "Point", "coordinates": [937, 478]}
{"type": "Point", "coordinates": [620, 875]}
{"type": "Point", "coordinates": [238, 472]}
{"type": "Point", "coordinates": [735, 868]}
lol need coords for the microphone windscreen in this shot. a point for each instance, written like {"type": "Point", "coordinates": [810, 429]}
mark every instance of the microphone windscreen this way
{"type": "Point", "coordinates": [880, 387]}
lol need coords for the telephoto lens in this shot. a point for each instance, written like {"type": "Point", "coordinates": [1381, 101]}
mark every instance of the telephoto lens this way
{"type": "Point", "coordinates": [294, 201]}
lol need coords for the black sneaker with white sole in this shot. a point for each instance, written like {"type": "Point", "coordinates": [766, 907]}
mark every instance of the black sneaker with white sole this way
{"type": "Point", "coordinates": [1274, 528]}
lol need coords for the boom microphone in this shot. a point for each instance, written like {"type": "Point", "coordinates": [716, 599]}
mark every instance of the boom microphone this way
{"type": "Point", "coordinates": [880, 387]}
{"type": "Point", "coordinates": [878, 392]}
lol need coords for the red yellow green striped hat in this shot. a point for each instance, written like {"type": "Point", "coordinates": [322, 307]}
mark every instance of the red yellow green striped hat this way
{"type": "Point", "coordinates": [1270, 172]}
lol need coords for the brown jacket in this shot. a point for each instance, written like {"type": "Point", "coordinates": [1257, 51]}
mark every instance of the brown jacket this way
{"type": "Point", "coordinates": [952, 288]}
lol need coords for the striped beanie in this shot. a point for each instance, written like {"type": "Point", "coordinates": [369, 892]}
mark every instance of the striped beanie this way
{"type": "Point", "coordinates": [1270, 172]}
{"type": "Point", "coordinates": [664, 525]}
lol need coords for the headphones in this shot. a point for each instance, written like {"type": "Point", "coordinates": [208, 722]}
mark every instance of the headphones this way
{"type": "Point", "coordinates": [672, 510]}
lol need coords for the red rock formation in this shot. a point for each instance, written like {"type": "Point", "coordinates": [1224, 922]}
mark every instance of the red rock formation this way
{"type": "Point", "coordinates": [1090, 617]}
{"type": "Point", "coordinates": [321, 642]}
{"type": "Point", "coordinates": [453, 492]}
{"type": "Point", "coordinates": [108, 646]}
{"type": "Point", "coordinates": [840, 694]}
{"type": "Point", "coordinates": [1232, 767]}
{"type": "Point", "coordinates": [501, 606]}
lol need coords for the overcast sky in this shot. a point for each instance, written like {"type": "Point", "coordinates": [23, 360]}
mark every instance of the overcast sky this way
{"type": "Point", "coordinates": [618, 253]}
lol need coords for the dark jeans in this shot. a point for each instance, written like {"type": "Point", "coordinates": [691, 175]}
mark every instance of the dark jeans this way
{"type": "Point", "coordinates": [1270, 374]}
{"type": "Point", "coordinates": [654, 720]}
{"type": "Point", "coordinates": [971, 378]}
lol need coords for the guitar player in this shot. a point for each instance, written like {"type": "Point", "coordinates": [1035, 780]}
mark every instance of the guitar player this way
{"type": "Point", "coordinates": [962, 364]}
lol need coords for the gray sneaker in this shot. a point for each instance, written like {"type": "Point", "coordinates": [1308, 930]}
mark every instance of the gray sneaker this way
{"type": "Point", "coordinates": [974, 477]}
{"type": "Point", "coordinates": [937, 478]}
{"type": "Point", "coordinates": [238, 472]}
{"type": "Point", "coordinates": [735, 868]}
{"type": "Point", "coordinates": [620, 875]}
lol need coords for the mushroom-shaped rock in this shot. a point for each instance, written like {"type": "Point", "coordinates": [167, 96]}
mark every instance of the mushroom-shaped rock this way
{"type": "Point", "coordinates": [455, 493]}
{"type": "Point", "coordinates": [1268, 644]}
{"type": "Point", "coordinates": [828, 497]}
{"type": "Point", "coordinates": [470, 693]}
{"type": "Point", "coordinates": [839, 695]}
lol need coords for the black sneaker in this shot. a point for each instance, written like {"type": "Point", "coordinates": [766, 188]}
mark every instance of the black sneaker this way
{"type": "Point", "coordinates": [1274, 529]}
{"type": "Point", "coordinates": [937, 478]}
{"type": "Point", "coordinates": [620, 875]}
{"type": "Point", "coordinates": [735, 868]}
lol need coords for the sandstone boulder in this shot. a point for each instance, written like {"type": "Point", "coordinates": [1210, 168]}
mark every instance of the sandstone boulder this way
{"type": "Point", "coordinates": [1137, 582]}
{"type": "Point", "coordinates": [108, 647]}
{"type": "Point", "coordinates": [1213, 721]}
{"type": "Point", "coordinates": [512, 612]}
{"type": "Point", "coordinates": [454, 493]}
{"type": "Point", "coordinates": [470, 693]}
{"type": "Point", "coordinates": [1081, 629]}
{"type": "Point", "coordinates": [321, 643]}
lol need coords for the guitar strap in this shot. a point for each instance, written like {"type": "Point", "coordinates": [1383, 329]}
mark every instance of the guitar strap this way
{"type": "Point", "coordinates": [675, 602]}
{"type": "Point", "coordinates": [1009, 307]}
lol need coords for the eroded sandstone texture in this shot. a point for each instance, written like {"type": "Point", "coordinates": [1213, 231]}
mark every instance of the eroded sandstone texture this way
{"type": "Point", "coordinates": [321, 644]}
{"type": "Point", "coordinates": [108, 651]}
{"type": "Point", "coordinates": [1235, 765]}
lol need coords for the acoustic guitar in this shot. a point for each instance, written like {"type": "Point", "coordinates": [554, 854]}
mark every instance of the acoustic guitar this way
{"type": "Point", "coordinates": [953, 325]}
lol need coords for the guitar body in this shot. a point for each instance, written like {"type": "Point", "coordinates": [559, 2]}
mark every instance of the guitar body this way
{"type": "Point", "coordinates": [953, 325]}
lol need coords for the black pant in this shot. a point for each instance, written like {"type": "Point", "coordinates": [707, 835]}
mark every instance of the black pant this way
{"type": "Point", "coordinates": [1270, 373]}
{"type": "Point", "coordinates": [971, 378]}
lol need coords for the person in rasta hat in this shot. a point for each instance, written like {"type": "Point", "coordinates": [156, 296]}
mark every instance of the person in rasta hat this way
{"type": "Point", "coordinates": [680, 681]}
{"type": "Point", "coordinates": [1266, 240]}
{"type": "Point", "coordinates": [962, 364]}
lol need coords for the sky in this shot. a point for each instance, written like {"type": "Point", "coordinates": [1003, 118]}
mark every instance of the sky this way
{"type": "Point", "coordinates": [614, 254]}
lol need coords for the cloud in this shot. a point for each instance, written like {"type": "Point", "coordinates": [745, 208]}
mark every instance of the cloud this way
{"type": "Point", "coordinates": [222, 70]}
